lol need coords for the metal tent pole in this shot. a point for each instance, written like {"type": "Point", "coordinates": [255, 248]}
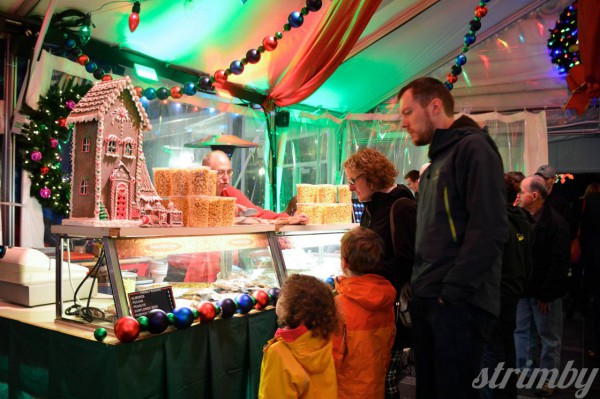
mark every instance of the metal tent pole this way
{"type": "Point", "coordinates": [8, 150]}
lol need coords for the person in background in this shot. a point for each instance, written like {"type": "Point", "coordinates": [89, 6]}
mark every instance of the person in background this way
{"type": "Point", "coordinates": [219, 161]}
{"type": "Point", "coordinates": [555, 200]}
{"type": "Point", "coordinates": [589, 237]}
{"type": "Point", "coordinates": [362, 348]}
{"type": "Point", "coordinates": [372, 177]}
{"type": "Point", "coordinates": [412, 181]}
{"type": "Point", "coordinates": [517, 263]}
{"type": "Point", "coordinates": [541, 303]}
{"type": "Point", "coordinates": [461, 231]}
{"type": "Point", "coordinates": [298, 361]}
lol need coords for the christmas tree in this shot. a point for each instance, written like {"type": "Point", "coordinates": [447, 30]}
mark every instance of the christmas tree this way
{"type": "Point", "coordinates": [44, 144]}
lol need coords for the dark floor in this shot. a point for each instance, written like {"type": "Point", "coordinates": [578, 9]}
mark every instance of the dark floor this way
{"type": "Point", "coordinates": [577, 334]}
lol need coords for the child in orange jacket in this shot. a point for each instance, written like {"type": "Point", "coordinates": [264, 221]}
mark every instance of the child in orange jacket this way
{"type": "Point", "coordinates": [298, 362]}
{"type": "Point", "coordinates": [365, 301]}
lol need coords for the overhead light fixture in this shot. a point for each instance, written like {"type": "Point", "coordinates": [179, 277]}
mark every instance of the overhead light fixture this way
{"type": "Point", "coordinates": [224, 93]}
{"type": "Point", "coordinates": [134, 17]}
{"type": "Point", "coordinates": [145, 72]}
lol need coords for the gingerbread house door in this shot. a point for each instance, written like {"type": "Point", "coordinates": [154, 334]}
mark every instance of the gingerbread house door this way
{"type": "Point", "coordinates": [121, 201]}
{"type": "Point", "coordinates": [122, 187]}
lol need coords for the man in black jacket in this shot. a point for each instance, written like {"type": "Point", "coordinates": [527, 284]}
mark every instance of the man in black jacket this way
{"type": "Point", "coordinates": [461, 230]}
{"type": "Point", "coordinates": [541, 305]}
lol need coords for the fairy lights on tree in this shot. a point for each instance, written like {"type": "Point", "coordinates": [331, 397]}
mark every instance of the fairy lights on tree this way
{"type": "Point", "coordinates": [43, 145]}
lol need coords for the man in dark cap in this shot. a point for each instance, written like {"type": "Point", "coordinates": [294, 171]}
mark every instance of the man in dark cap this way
{"type": "Point", "coordinates": [556, 201]}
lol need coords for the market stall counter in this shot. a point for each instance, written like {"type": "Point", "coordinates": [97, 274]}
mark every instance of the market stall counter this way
{"type": "Point", "coordinates": [44, 359]}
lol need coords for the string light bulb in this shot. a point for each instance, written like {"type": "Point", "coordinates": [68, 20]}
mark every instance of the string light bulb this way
{"type": "Point", "coordinates": [85, 32]}
{"type": "Point", "coordinates": [134, 17]}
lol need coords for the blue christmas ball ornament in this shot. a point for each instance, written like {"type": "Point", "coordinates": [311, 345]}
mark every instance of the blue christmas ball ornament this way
{"type": "Point", "coordinates": [448, 85]}
{"type": "Point", "coordinates": [274, 293]}
{"type": "Point", "coordinates": [157, 321]}
{"type": "Point", "coordinates": [162, 93]}
{"type": "Point", "coordinates": [245, 303]}
{"type": "Point", "coordinates": [236, 67]}
{"type": "Point", "coordinates": [189, 88]}
{"type": "Point", "coordinates": [330, 280]}
{"type": "Point", "coordinates": [150, 93]}
{"type": "Point", "coordinates": [295, 19]}
{"type": "Point", "coordinates": [91, 67]}
{"type": "Point", "coordinates": [70, 44]}
{"type": "Point", "coordinates": [314, 5]}
{"type": "Point", "coordinates": [184, 317]}
{"type": "Point", "coordinates": [98, 73]}
{"type": "Point", "coordinates": [460, 60]}
{"type": "Point", "coordinates": [469, 39]}
{"type": "Point", "coordinates": [228, 307]}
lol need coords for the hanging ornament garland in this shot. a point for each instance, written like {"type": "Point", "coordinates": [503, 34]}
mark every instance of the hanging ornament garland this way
{"type": "Point", "coordinates": [205, 83]}
{"type": "Point", "coordinates": [470, 38]}
{"type": "Point", "coordinates": [563, 45]}
{"type": "Point", "coordinates": [42, 145]}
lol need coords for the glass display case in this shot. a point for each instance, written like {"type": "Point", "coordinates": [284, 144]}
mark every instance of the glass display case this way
{"type": "Point", "coordinates": [133, 267]}
{"type": "Point", "coordinates": [137, 269]}
{"type": "Point", "coordinates": [312, 249]}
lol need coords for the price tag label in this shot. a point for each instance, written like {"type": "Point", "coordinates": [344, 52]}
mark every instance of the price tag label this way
{"type": "Point", "coordinates": [143, 302]}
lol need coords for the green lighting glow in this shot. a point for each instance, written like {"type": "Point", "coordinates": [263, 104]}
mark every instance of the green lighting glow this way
{"type": "Point", "coordinates": [145, 72]}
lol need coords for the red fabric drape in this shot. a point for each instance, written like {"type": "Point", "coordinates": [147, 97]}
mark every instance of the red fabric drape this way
{"type": "Point", "coordinates": [584, 79]}
{"type": "Point", "coordinates": [325, 50]}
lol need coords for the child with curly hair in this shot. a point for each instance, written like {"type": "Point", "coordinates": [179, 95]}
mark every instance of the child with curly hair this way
{"type": "Point", "coordinates": [298, 361]}
{"type": "Point", "coordinates": [362, 349]}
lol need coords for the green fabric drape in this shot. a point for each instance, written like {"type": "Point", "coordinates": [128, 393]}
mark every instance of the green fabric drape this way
{"type": "Point", "coordinates": [215, 360]}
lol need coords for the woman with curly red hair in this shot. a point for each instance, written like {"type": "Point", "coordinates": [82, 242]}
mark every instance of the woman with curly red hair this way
{"type": "Point", "coordinates": [390, 211]}
{"type": "Point", "coordinates": [298, 362]}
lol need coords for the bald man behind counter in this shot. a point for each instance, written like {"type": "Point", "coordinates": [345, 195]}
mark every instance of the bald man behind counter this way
{"type": "Point", "coordinates": [219, 161]}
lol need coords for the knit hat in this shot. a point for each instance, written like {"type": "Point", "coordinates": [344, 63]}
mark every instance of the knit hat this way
{"type": "Point", "coordinates": [546, 171]}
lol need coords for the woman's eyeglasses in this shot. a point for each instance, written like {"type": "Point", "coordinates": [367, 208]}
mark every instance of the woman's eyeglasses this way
{"type": "Point", "coordinates": [353, 181]}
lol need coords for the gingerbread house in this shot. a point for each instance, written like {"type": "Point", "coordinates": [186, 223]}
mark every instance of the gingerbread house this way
{"type": "Point", "coordinates": [110, 180]}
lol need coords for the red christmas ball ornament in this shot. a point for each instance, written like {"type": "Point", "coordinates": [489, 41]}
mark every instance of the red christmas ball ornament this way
{"type": "Point", "coordinates": [262, 299]}
{"type": "Point", "coordinates": [36, 156]}
{"type": "Point", "coordinates": [138, 91]}
{"type": "Point", "coordinates": [207, 312]}
{"type": "Point", "coordinates": [53, 142]}
{"type": "Point", "coordinates": [62, 122]}
{"type": "Point", "coordinates": [175, 92]}
{"type": "Point", "coordinates": [44, 170]}
{"type": "Point", "coordinates": [451, 78]}
{"type": "Point", "coordinates": [106, 78]}
{"type": "Point", "coordinates": [480, 11]}
{"type": "Point", "coordinates": [127, 329]}
{"type": "Point", "coordinates": [83, 59]}
{"type": "Point", "coordinates": [269, 43]}
{"type": "Point", "coordinates": [220, 76]}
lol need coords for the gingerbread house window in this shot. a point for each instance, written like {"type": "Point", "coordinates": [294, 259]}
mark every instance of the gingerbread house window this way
{"type": "Point", "coordinates": [85, 146]}
{"type": "Point", "coordinates": [128, 147]}
{"type": "Point", "coordinates": [83, 187]}
{"type": "Point", "coordinates": [112, 143]}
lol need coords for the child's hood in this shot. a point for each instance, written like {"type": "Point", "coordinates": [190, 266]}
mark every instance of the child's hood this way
{"type": "Point", "coordinates": [371, 291]}
{"type": "Point", "coordinates": [313, 353]}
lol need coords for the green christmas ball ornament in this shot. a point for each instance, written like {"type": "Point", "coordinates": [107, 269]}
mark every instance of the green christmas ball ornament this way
{"type": "Point", "coordinates": [144, 322]}
{"type": "Point", "coordinates": [100, 334]}
{"type": "Point", "coordinates": [196, 313]}
{"type": "Point", "coordinates": [171, 318]}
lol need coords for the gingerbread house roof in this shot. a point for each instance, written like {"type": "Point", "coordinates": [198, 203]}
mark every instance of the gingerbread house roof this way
{"type": "Point", "coordinates": [147, 191]}
{"type": "Point", "coordinates": [100, 97]}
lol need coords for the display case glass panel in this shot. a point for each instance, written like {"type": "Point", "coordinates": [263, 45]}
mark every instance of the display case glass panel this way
{"type": "Point", "coordinates": [195, 268]}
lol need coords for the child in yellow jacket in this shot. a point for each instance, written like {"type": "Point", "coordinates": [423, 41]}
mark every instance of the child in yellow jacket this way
{"type": "Point", "coordinates": [298, 362]}
{"type": "Point", "coordinates": [362, 349]}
